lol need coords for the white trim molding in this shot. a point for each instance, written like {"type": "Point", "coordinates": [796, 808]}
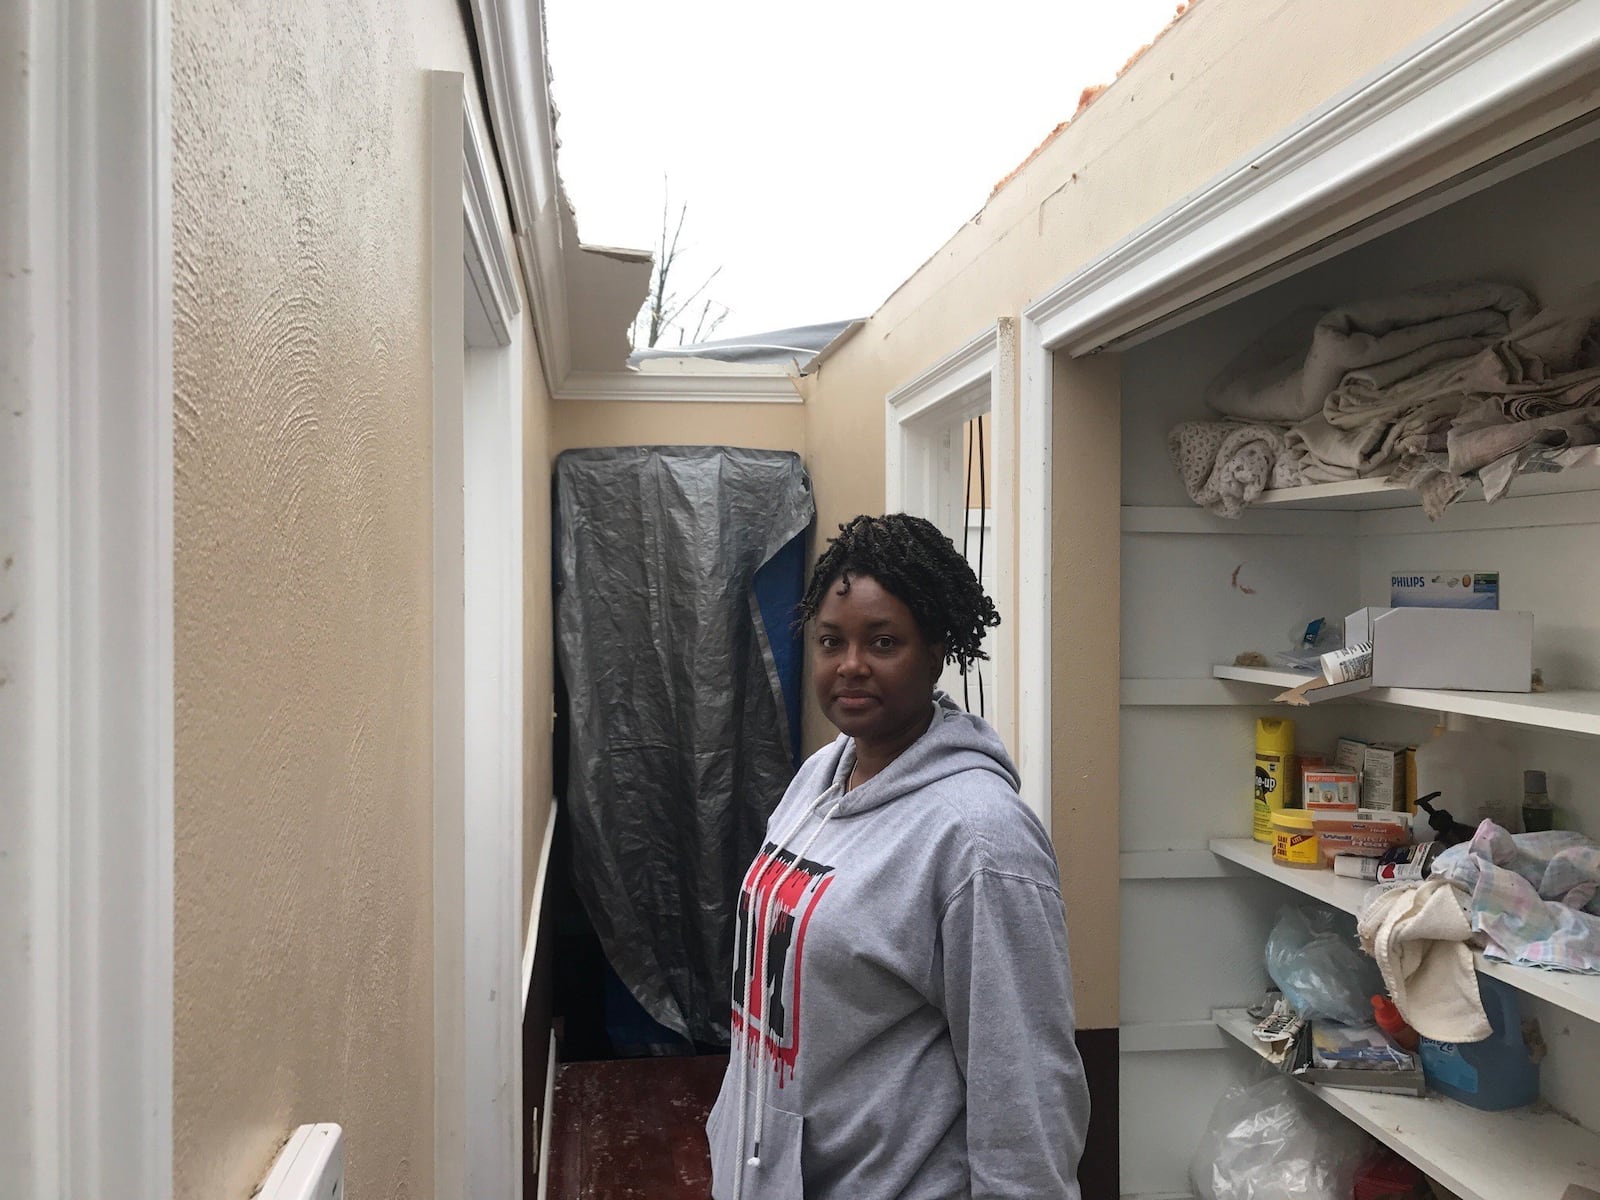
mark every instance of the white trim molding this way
{"type": "Point", "coordinates": [511, 46]}
{"type": "Point", "coordinates": [922, 422]}
{"type": "Point", "coordinates": [920, 419]}
{"type": "Point", "coordinates": [491, 288]}
{"type": "Point", "coordinates": [1035, 427]}
{"type": "Point", "coordinates": [1356, 155]}
{"type": "Point", "coordinates": [530, 946]}
{"type": "Point", "coordinates": [725, 387]}
{"type": "Point", "coordinates": [86, 602]}
{"type": "Point", "coordinates": [478, 702]}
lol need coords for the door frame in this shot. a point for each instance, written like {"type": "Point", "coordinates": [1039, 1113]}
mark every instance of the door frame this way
{"type": "Point", "coordinates": [920, 417]}
{"type": "Point", "coordinates": [86, 601]}
{"type": "Point", "coordinates": [478, 389]}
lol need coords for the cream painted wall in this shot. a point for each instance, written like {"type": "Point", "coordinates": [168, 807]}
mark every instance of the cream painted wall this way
{"type": "Point", "coordinates": [538, 630]}
{"type": "Point", "coordinates": [1223, 80]}
{"type": "Point", "coordinates": [579, 424]}
{"type": "Point", "coordinates": [303, 514]}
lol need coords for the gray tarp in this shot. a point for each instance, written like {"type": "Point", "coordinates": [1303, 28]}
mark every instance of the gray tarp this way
{"type": "Point", "coordinates": [679, 745]}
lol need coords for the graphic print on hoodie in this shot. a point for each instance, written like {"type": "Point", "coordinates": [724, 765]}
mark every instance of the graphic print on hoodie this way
{"type": "Point", "coordinates": [901, 1001]}
{"type": "Point", "coordinates": [766, 994]}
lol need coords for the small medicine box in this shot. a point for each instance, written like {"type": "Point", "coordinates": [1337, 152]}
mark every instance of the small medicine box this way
{"type": "Point", "coordinates": [1330, 788]}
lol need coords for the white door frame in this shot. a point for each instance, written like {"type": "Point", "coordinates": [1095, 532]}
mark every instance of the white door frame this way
{"type": "Point", "coordinates": [1406, 140]}
{"type": "Point", "coordinates": [478, 665]}
{"type": "Point", "coordinates": [86, 601]}
{"type": "Point", "coordinates": [922, 420]}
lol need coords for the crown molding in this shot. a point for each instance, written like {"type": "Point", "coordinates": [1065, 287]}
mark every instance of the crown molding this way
{"type": "Point", "coordinates": [721, 388]}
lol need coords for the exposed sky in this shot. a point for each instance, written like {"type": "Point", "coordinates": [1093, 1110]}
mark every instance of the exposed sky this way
{"type": "Point", "coordinates": [824, 150]}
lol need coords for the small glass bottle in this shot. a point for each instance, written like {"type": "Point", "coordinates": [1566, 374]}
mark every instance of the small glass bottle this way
{"type": "Point", "coordinates": [1538, 814]}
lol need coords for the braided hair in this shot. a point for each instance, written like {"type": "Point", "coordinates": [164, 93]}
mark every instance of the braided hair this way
{"type": "Point", "coordinates": [920, 567]}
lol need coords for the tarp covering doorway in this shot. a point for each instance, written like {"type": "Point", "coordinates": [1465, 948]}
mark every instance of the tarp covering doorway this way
{"type": "Point", "coordinates": [677, 573]}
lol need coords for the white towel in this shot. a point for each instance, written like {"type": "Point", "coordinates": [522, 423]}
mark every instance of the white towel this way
{"type": "Point", "coordinates": [1263, 381]}
{"type": "Point", "coordinates": [1418, 935]}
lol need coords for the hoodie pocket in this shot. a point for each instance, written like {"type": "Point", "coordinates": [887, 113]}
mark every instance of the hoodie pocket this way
{"type": "Point", "coordinates": [778, 1177]}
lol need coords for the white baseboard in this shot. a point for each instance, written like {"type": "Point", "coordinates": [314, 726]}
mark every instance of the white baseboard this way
{"type": "Point", "coordinates": [536, 906]}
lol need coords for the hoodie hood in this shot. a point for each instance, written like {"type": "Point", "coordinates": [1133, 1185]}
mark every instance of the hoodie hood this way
{"type": "Point", "coordinates": [955, 742]}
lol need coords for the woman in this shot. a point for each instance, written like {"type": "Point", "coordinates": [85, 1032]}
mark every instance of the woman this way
{"type": "Point", "coordinates": [902, 1001]}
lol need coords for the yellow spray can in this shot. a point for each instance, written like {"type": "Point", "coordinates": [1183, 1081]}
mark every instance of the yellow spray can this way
{"type": "Point", "coordinates": [1275, 773]}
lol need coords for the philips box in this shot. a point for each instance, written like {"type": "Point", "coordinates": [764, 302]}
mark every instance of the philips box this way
{"type": "Point", "coordinates": [1444, 589]}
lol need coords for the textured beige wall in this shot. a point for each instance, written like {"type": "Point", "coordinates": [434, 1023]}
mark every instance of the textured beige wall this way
{"type": "Point", "coordinates": [579, 424]}
{"type": "Point", "coordinates": [1224, 79]}
{"type": "Point", "coordinates": [303, 549]}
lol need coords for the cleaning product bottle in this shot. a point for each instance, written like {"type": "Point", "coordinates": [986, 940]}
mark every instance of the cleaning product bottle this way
{"type": "Point", "coordinates": [1393, 1024]}
{"type": "Point", "coordinates": [1477, 775]}
{"type": "Point", "coordinates": [1498, 1073]}
{"type": "Point", "coordinates": [1444, 829]}
{"type": "Point", "coordinates": [1274, 773]}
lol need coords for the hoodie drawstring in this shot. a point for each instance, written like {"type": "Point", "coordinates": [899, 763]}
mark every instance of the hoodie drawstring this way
{"type": "Point", "coordinates": [753, 881]}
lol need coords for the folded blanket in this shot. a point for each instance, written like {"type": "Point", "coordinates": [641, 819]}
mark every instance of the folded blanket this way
{"type": "Point", "coordinates": [1473, 446]}
{"type": "Point", "coordinates": [1263, 381]}
{"type": "Point", "coordinates": [1534, 896]}
{"type": "Point", "coordinates": [1417, 933]}
{"type": "Point", "coordinates": [1371, 447]}
{"type": "Point", "coordinates": [1393, 338]}
{"type": "Point", "coordinates": [1225, 465]}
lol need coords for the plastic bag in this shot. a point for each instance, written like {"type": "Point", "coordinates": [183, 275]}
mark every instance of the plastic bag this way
{"type": "Point", "coordinates": [1270, 1141]}
{"type": "Point", "coordinates": [1314, 960]}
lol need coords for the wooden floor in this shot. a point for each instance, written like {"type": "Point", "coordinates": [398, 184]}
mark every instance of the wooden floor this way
{"type": "Point", "coordinates": [633, 1129]}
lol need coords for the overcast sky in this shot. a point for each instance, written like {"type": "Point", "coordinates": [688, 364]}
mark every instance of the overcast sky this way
{"type": "Point", "coordinates": [825, 150]}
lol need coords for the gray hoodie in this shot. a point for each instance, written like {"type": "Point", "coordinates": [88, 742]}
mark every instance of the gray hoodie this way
{"type": "Point", "coordinates": [910, 1034]}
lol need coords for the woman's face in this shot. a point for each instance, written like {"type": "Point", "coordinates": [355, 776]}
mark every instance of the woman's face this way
{"type": "Point", "coordinates": [872, 671]}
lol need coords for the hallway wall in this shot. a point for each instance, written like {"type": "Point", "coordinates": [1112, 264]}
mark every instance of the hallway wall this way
{"type": "Point", "coordinates": [580, 424]}
{"type": "Point", "coordinates": [303, 524]}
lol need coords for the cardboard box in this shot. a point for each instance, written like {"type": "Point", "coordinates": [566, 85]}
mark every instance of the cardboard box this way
{"type": "Point", "coordinates": [1349, 754]}
{"type": "Point", "coordinates": [1361, 831]}
{"type": "Point", "coordinates": [1383, 777]}
{"type": "Point", "coordinates": [1330, 788]}
{"type": "Point", "coordinates": [1459, 649]}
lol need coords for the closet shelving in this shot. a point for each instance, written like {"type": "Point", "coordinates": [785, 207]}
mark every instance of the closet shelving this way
{"type": "Point", "coordinates": [1536, 1152]}
{"type": "Point", "coordinates": [1360, 494]}
{"type": "Point", "coordinates": [1577, 994]}
{"type": "Point", "coordinates": [1197, 589]}
{"type": "Point", "coordinates": [1570, 710]}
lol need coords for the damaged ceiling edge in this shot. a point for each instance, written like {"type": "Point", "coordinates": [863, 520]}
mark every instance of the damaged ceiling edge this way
{"type": "Point", "coordinates": [583, 298]}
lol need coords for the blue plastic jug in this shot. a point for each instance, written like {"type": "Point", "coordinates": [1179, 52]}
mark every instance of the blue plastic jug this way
{"type": "Point", "coordinates": [1494, 1074]}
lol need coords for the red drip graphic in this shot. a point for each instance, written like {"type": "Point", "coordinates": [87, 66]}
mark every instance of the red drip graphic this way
{"type": "Point", "coordinates": [766, 1013]}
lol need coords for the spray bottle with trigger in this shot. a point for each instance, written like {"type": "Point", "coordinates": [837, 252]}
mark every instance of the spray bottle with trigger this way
{"type": "Point", "coordinates": [1446, 829]}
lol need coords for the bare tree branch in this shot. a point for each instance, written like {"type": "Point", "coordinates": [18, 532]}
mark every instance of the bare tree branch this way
{"type": "Point", "coordinates": [663, 307]}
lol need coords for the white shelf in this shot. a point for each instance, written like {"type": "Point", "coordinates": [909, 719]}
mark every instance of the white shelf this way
{"type": "Point", "coordinates": [1524, 1153]}
{"type": "Point", "coordinates": [1358, 495]}
{"type": "Point", "coordinates": [1577, 994]}
{"type": "Point", "coordinates": [1570, 710]}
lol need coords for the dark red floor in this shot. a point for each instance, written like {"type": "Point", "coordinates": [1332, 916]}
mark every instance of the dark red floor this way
{"type": "Point", "coordinates": [633, 1129]}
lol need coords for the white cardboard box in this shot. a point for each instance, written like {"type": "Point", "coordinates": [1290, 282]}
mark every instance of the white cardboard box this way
{"type": "Point", "coordinates": [1452, 649]}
